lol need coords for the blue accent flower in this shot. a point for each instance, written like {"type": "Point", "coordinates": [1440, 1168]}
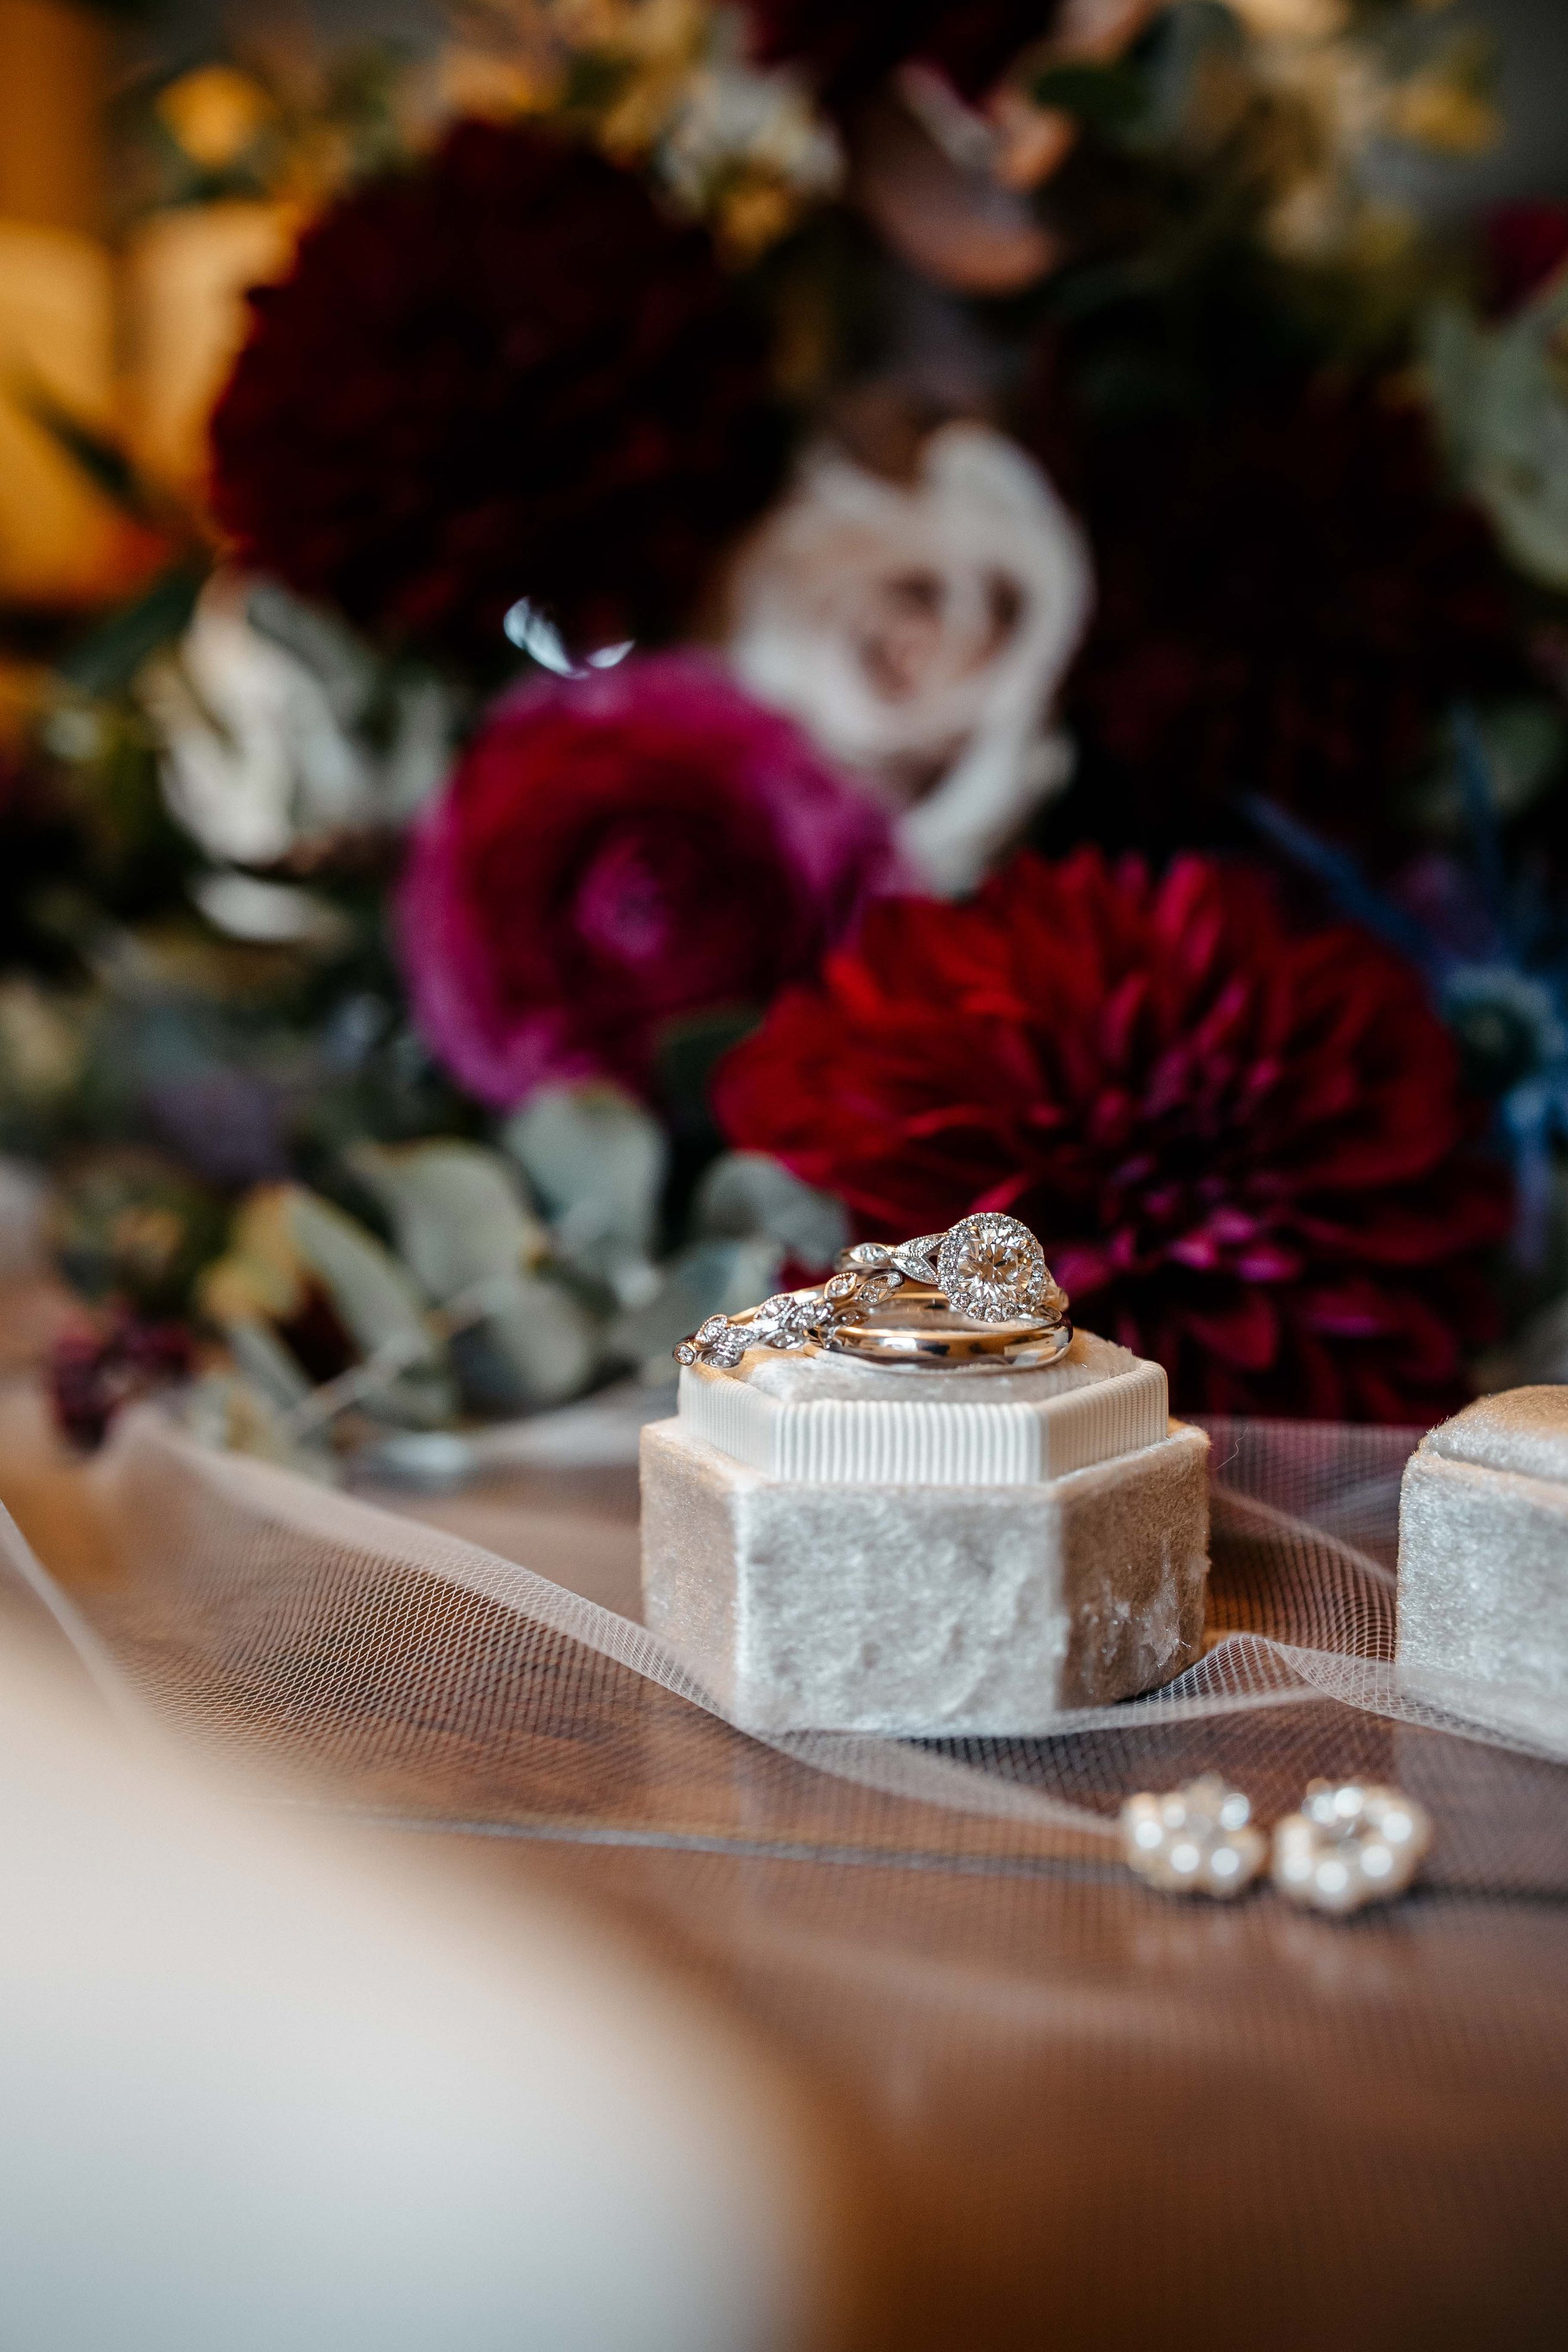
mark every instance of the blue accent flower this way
{"type": "Point", "coordinates": [1493, 948]}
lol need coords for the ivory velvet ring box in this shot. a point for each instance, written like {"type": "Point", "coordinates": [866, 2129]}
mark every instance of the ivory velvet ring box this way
{"type": "Point", "coordinates": [830, 1545]}
{"type": "Point", "coordinates": [1483, 1554]}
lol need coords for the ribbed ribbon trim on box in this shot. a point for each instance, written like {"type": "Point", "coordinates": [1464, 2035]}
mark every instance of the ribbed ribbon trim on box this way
{"type": "Point", "coordinates": [924, 1442]}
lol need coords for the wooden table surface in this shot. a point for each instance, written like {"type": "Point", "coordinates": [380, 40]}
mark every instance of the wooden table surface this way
{"type": "Point", "coordinates": [1079, 2115]}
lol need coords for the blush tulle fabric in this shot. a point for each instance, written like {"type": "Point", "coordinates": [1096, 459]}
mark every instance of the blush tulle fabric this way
{"type": "Point", "coordinates": [402, 1671]}
{"type": "Point", "coordinates": [1093, 2106]}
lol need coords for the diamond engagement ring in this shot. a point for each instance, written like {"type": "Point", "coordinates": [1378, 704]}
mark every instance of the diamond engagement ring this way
{"type": "Point", "coordinates": [979, 1297]}
{"type": "Point", "coordinates": [988, 1267]}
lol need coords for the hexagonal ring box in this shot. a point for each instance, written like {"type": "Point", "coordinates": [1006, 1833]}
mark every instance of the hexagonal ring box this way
{"type": "Point", "coordinates": [833, 1545]}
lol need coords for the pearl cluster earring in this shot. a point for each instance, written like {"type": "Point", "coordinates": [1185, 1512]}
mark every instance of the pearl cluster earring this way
{"type": "Point", "coordinates": [1351, 1844]}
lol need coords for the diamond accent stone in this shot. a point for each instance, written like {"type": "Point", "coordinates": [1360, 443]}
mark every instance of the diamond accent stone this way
{"type": "Point", "coordinates": [875, 1287]}
{"type": "Point", "coordinates": [719, 1341]}
{"type": "Point", "coordinates": [1352, 1842]}
{"type": "Point", "coordinates": [992, 1269]}
{"type": "Point", "coordinates": [918, 1259]}
{"type": "Point", "coordinates": [1196, 1840]}
{"type": "Point", "coordinates": [785, 1321]}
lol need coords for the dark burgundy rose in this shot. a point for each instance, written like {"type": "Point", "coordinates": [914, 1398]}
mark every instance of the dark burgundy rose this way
{"type": "Point", "coordinates": [614, 854]}
{"type": "Point", "coordinates": [1289, 603]}
{"type": "Point", "coordinates": [94, 1375]}
{"type": "Point", "coordinates": [504, 373]}
{"type": "Point", "coordinates": [1243, 1147]}
{"type": "Point", "coordinates": [847, 51]}
{"type": "Point", "coordinates": [1526, 244]}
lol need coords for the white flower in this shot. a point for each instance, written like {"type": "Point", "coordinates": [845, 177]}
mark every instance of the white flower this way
{"type": "Point", "coordinates": [731, 117]}
{"type": "Point", "coordinates": [1501, 395]}
{"type": "Point", "coordinates": [260, 751]}
{"type": "Point", "coordinates": [919, 634]}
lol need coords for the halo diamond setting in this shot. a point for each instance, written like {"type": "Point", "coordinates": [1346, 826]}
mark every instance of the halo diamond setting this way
{"type": "Point", "coordinates": [992, 1269]}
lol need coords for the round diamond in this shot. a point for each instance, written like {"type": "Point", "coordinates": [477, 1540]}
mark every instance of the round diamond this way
{"type": "Point", "coordinates": [991, 1269]}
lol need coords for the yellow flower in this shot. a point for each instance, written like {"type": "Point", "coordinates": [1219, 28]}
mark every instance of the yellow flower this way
{"type": "Point", "coordinates": [1438, 112]}
{"type": "Point", "coordinates": [215, 114]}
{"type": "Point", "coordinates": [1292, 20]}
{"type": "Point", "coordinates": [262, 1277]}
{"type": "Point", "coordinates": [754, 214]}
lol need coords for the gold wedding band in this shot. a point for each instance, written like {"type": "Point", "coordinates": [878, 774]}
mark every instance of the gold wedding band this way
{"type": "Point", "coordinates": [923, 1333]}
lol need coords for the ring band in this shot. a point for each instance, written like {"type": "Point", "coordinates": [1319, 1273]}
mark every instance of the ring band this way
{"type": "Point", "coordinates": [979, 1296]}
{"type": "Point", "coordinates": [921, 1334]}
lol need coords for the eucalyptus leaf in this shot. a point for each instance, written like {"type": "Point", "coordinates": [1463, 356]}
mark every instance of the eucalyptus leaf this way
{"type": "Point", "coordinates": [709, 1278]}
{"type": "Point", "coordinates": [266, 1364]}
{"type": "Point", "coordinates": [540, 1348]}
{"type": "Point", "coordinates": [372, 1294]}
{"type": "Point", "coordinates": [746, 1193]}
{"type": "Point", "coordinates": [342, 662]}
{"type": "Point", "coordinates": [379, 1307]}
{"type": "Point", "coordinates": [456, 1210]}
{"type": "Point", "coordinates": [240, 1415]}
{"type": "Point", "coordinates": [1524, 742]}
{"type": "Point", "coordinates": [461, 1223]}
{"type": "Point", "coordinates": [596, 1160]}
{"type": "Point", "coordinates": [107, 657]}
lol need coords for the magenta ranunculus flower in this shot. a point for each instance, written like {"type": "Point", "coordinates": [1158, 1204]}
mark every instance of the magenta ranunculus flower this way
{"type": "Point", "coordinates": [613, 853]}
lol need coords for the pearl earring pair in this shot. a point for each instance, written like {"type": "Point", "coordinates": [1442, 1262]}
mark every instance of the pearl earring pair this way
{"type": "Point", "coordinates": [1352, 1842]}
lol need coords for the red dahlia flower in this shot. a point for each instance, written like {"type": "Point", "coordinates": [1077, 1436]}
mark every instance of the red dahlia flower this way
{"type": "Point", "coordinates": [1242, 1149]}
{"type": "Point", "coordinates": [502, 374]}
{"type": "Point", "coordinates": [616, 853]}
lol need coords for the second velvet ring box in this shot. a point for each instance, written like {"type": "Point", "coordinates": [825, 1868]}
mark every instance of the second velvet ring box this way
{"type": "Point", "coordinates": [833, 1546]}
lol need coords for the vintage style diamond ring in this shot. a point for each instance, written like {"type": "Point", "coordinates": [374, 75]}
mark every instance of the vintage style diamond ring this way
{"type": "Point", "coordinates": [989, 1268]}
{"type": "Point", "coordinates": [978, 1297]}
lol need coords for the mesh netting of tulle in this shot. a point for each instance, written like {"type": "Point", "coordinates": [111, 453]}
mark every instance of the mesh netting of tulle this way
{"type": "Point", "coordinates": [391, 1669]}
{"type": "Point", "coordinates": [1099, 2115]}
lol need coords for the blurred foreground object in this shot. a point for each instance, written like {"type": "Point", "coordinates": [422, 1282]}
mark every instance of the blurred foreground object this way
{"type": "Point", "coordinates": [260, 2091]}
{"type": "Point", "coordinates": [848, 52]}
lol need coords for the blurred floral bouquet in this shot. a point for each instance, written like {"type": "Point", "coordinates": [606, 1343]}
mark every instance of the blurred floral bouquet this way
{"type": "Point", "coordinates": [693, 490]}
